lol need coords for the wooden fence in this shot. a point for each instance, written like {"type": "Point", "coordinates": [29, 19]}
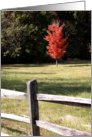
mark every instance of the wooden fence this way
{"type": "Point", "coordinates": [33, 98]}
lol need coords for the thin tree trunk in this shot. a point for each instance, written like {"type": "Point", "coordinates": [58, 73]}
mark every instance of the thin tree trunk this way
{"type": "Point", "coordinates": [56, 63]}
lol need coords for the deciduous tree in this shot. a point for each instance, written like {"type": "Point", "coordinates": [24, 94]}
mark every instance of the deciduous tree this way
{"type": "Point", "coordinates": [57, 44]}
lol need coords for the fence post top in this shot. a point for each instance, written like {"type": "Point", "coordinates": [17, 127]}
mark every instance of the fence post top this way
{"type": "Point", "coordinates": [31, 81]}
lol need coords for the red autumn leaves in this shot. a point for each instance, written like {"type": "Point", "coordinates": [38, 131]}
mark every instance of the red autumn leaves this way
{"type": "Point", "coordinates": [57, 44]}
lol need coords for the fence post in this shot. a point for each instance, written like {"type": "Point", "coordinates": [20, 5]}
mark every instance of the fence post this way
{"type": "Point", "coordinates": [33, 106]}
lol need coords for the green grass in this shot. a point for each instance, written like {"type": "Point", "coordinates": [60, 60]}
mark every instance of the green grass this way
{"type": "Point", "coordinates": [70, 79]}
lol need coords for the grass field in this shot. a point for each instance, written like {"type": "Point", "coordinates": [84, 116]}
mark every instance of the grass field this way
{"type": "Point", "coordinates": [69, 78]}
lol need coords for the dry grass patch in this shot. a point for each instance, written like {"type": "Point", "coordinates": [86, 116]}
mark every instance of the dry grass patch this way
{"type": "Point", "coordinates": [71, 118]}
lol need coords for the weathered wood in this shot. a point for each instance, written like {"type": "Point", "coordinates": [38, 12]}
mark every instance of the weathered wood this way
{"type": "Point", "coordinates": [33, 98]}
{"type": "Point", "coordinates": [60, 129]}
{"type": "Point", "coordinates": [74, 101]}
{"type": "Point", "coordinates": [81, 102]}
{"type": "Point", "coordinates": [33, 106]}
{"type": "Point", "coordinates": [15, 118]}
{"type": "Point", "coordinates": [3, 134]}
{"type": "Point", "coordinates": [10, 94]}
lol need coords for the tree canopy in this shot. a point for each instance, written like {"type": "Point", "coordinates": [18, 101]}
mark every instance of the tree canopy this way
{"type": "Point", "coordinates": [22, 34]}
{"type": "Point", "coordinates": [57, 44]}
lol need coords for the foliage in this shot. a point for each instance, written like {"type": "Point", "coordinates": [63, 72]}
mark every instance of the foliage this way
{"type": "Point", "coordinates": [78, 30]}
{"type": "Point", "coordinates": [57, 47]}
{"type": "Point", "coordinates": [22, 35]}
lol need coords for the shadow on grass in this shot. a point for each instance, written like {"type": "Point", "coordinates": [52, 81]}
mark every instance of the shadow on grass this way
{"type": "Point", "coordinates": [74, 63]}
{"type": "Point", "coordinates": [24, 65]}
{"type": "Point", "coordinates": [67, 89]}
{"type": "Point", "coordinates": [79, 65]}
{"type": "Point", "coordinates": [14, 130]}
{"type": "Point", "coordinates": [42, 73]}
{"type": "Point", "coordinates": [17, 85]}
{"type": "Point", "coordinates": [60, 87]}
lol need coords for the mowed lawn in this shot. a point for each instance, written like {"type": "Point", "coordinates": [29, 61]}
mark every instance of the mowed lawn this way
{"type": "Point", "coordinates": [68, 79]}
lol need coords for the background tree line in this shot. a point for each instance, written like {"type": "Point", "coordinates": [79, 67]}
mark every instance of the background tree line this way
{"type": "Point", "coordinates": [22, 34]}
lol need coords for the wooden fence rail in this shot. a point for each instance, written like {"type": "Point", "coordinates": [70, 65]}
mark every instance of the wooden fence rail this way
{"type": "Point", "coordinates": [60, 129]}
{"type": "Point", "coordinates": [3, 134]}
{"type": "Point", "coordinates": [15, 118]}
{"type": "Point", "coordinates": [73, 101]}
{"type": "Point", "coordinates": [10, 94]}
{"type": "Point", "coordinates": [33, 98]}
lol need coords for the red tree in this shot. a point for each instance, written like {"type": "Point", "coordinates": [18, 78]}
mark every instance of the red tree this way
{"type": "Point", "coordinates": [57, 44]}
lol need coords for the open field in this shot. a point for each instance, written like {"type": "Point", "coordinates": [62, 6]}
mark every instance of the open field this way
{"type": "Point", "coordinates": [69, 79]}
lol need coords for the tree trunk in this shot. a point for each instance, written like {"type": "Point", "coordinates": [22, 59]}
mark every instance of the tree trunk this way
{"type": "Point", "coordinates": [56, 63]}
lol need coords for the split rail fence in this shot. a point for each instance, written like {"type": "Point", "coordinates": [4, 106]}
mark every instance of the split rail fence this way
{"type": "Point", "coordinates": [33, 98]}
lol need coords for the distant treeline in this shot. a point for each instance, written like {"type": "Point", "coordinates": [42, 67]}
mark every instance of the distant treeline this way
{"type": "Point", "coordinates": [22, 34]}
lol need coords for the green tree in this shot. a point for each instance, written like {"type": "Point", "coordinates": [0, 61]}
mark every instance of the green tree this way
{"type": "Point", "coordinates": [78, 29]}
{"type": "Point", "coordinates": [22, 34]}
